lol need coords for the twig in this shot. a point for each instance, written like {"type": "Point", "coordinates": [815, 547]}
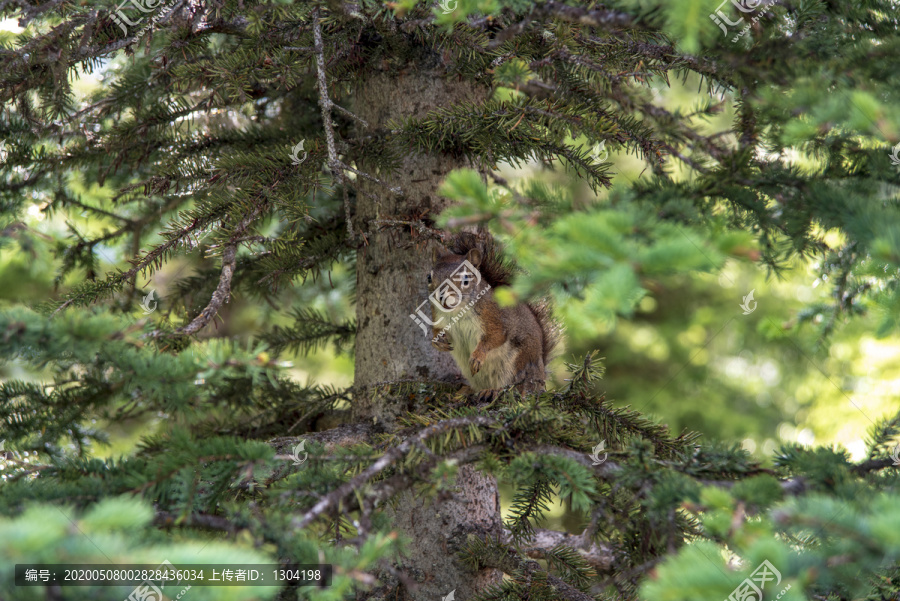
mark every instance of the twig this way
{"type": "Point", "coordinates": [165, 519]}
{"type": "Point", "coordinates": [325, 103]}
{"type": "Point", "coordinates": [221, 294]}
{"type": "Point", "coordinates": [350, 114]}
{"type": "Point", "coordinates": [223, 290]}
{"type": "Point", "coordinates": [455, 222]}
{"type": "Point", "coordinates": [395, 189]}
{"type": "Point", "coordinates": [418, 225]}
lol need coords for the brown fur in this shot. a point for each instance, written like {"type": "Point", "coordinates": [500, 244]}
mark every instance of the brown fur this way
{"type": "Point", "coordinates": [494, 347]}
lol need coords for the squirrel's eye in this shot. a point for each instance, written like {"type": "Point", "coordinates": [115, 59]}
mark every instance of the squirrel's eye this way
{"type": "Point", "coordinates": [429, 278]}
{"type": "Point", "coordinates": [465, 281]}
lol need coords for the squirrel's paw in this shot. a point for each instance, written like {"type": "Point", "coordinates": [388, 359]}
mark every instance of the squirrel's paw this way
{"type": "Point", "coordinates": [442, 344]}
{"type": "Point", "coordinates": [475, 362]}
{"type": "Point", "coordinates": [486, 396]}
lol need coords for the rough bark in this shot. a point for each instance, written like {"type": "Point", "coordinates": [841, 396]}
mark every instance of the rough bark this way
{"type": "Point", "coordinates": [391, 270]}
{"type": "Point", "coordinates": [391, 283]}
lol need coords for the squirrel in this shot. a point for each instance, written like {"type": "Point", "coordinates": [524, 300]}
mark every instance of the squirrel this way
{"type": "Point", "coordinates": [493, 346]}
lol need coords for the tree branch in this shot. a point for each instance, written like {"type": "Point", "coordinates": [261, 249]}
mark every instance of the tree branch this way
{"type": "Point", "coordinates": [513, 563]}
{"type": "Point", "coordinates": [600, 557]}
{"type": "Point", "coordinates": [165, 519]}
{"type": "Point", "coordinates": [326, 105]}
{"type": "Point", "coordinates": [385, 461]}
{"type": "Point", "coordinates": [223, 290]}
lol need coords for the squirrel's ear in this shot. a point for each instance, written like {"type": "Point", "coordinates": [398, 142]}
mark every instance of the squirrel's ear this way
{"type": "Point", "coordinates": [474, 257]}
{"type": "Point", "coordinates": [436, 253]}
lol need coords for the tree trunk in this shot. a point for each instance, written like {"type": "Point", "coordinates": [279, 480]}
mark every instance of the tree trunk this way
{"type": "Point", "coordinates": [391, 284]}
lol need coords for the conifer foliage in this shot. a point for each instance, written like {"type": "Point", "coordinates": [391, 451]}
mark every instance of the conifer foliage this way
{"type": "Point", "coordinates": [236, 127]}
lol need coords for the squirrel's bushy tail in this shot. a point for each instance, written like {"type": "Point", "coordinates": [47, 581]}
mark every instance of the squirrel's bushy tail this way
{"type": "Point", "coordinates": [551, 330]}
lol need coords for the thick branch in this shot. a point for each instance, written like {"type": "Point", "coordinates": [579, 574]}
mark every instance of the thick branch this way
{"type": "Point", "coordinates": [599, 557]}
{"type": "Point", "coordinates": [513, 563]}
{"type": "Point", "coordinates": [872, 465]}
{"type": "Point", "coordinates": [385, 461]}
{"type": "Point", "coordinates": [343, 436]}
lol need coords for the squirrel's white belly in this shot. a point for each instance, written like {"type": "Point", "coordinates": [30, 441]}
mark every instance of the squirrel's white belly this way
{"type": "Point", "coordinates": [497, 369]}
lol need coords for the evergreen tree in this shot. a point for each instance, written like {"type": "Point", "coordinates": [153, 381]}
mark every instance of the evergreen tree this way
{"type": "Point", "coordinates": [291, 141]}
